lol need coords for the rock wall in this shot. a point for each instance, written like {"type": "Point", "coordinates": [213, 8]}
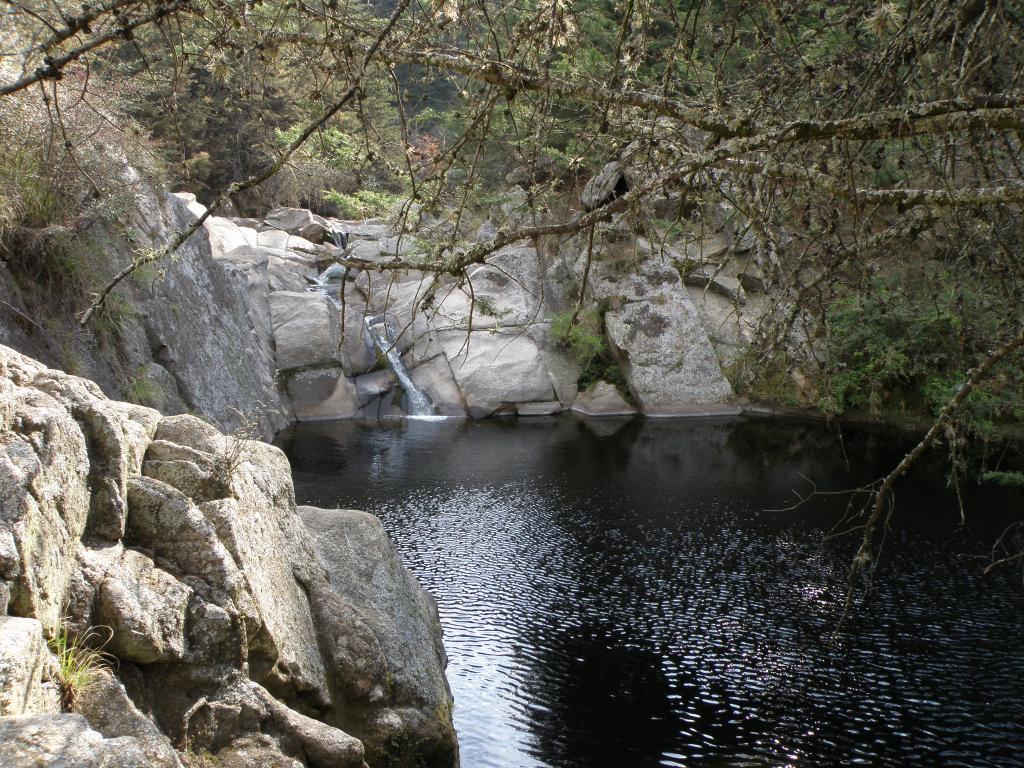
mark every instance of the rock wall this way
{"type": "Point", "coordinates": [483, 346]}
{"type": "Point", "coordinates": [181, 336]}
{"type": "Point", "coordinates": [244, 326]}
{"type": "Point", "coordinates": [180, 552]}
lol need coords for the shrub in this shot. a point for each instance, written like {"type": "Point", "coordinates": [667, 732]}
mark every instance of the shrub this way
{"type": "Point", "coordinates": [585, 339]}
{"type": "Point", "coordinates": [363, 204]}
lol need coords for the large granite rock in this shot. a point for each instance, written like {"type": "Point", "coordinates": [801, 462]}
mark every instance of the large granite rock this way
{"type": "Point", "coordinates": [25, 669]}
{"type": "Point", "coordinates": [199, 316]}
{"type": "Point", "coordinates": [306, 329]}
{"type": "Point", "coordinates": [319, 394]}
{"type": "Point", "coordinates": [365, 571]}
{"type": "Point", "coordinates": [496, 370]}
{"type": "Point", "coordinates": [67, 741]}
{"type": "Point", "coordinates": [44, 493]}
{"type": "Point", "coordinates": [435, 378]}
{"type": "Point", "coordinates": [297, 221]}
{"type": "Point", "coordinates": [657, 334]}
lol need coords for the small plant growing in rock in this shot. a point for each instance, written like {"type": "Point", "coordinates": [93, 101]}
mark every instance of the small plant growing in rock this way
{"type": "Point", "coordinates": [585, 339]}
{"type": "Point", "coordinates": [80, 661]}
{"type": "Point", "coordinates": [144, 391]}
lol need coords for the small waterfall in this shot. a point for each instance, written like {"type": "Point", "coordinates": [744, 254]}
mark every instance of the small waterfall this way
{"type": "Point", "coordinates": [339, 238]}
{"type": "Point", "coordinates": [416, 400]}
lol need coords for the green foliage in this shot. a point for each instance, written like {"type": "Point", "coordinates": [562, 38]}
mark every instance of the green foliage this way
{"type": "Point", "coordinates": [1012, 479]}
{"type": "Point", "coordinates": [144, 391]}
{"type": "Point", "coordinates": [769, 382]}
{"type": "Point", "coordinates": [363, 204]}
{"type": "Point", "coordinates": [585, 339]}
{"type": "Point", "coordinates": [880, 344]}
{"type": "Point", "coordinates": [904, 345]}
{"type": "Point", "coordinates": [80, 661]}
{"type": "Point", "coordinates": [335, 147]}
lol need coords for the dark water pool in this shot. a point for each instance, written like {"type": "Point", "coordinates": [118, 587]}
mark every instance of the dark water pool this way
{"type": "Point", "coordinates": [620, 594]}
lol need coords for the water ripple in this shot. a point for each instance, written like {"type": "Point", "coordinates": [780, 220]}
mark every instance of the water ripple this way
{"type": "Point", "coordinates": [627, 600]}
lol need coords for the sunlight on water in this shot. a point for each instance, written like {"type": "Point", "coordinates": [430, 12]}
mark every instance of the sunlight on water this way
{"type": "Point", "coordinates": [619, 595]}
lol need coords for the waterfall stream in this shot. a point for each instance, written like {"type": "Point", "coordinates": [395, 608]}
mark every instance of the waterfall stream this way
{"type": "Point", "coordinates": [417, 404]}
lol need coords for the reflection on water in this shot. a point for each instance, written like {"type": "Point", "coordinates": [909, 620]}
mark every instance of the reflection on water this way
{"type": "Point", "coordinates": [617, 594]}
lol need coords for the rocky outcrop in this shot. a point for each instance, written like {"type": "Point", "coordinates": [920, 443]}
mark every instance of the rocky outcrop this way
{"type": "Point", "coordinates": [232, 634]}
{"type": "Point", "coordinates": [365, 571]}
{"type": "Point", "coordinates": [657, 334]}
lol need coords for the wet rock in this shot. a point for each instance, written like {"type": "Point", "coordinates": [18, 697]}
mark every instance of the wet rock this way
{"type": "Point", "coordinates": [434, 376]}
{"type": "Point", "coordinates": [371, 385]}
{"type": "Point", "coordinates": [539, 409]}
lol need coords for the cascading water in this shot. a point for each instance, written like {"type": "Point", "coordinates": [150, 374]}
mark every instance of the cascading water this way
{"type": "Point", "coordinates": [417, 403]}
{"type": "Point", "coordinates": [339, 238]}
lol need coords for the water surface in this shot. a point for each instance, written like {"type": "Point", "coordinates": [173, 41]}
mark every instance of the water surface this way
{"type": "Point", "coordinates": [622, 594]}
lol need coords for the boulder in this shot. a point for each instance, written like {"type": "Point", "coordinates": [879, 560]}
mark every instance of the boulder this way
{"type": "Point", "coordinates": [258, 526]}
{"type": "Point", "coordinates": [539, 409]}
{"type": "Point", "coordinates": [319, 394]}
{"type": "Point", "coordinates": [657, 335]}
{"type": "Point", "coordinates": [298, 221]}
{"type": "Point", "coordinates": [196, 208]}
{"type": "Point", "coordinates": [357, 356]}
{"type": "Point", "coordinates": [167, 523]}
{"type": "Point", "coordinates": [24, 658]}
{"type": "Point", "coordinates": [283, 241]}
{"type": "Point", "coordinates": [306, 329]}
{"type": "Point", "coordinates": [242, 708]}
{"type": "Point", "coordinates": [399, 245]}
{"type": "Point", "coordinates": [602, 399]}
{"type": "Point", "coordinates": [108, 710]}
{"type": "Point", "coordinates": [225, 235]}
{"type": "Point", "coordinates": [117, 435]}
{"type": "Point", "coordinates": [67, 741]}
{"type": "Point", "coordinates": [609, 183]}
{"type": "Point", "coordinates": [366, 572]}
{"type": "Point", "coordinates": [223, 622]}
{"type": "Point", "coordinates": [497, 369]}
{"type": "Point", "coordinates": [44, 493]}
{"type": "Point", "coordinates": [366, 229]}
{"type": "Point", "coordinates": [709, 278]}
{"type": "Point", "coordinates": [434, 376]}
{"type": "Point", "coordinates": [145, 608]}
{"type": "Point", "coordinates": [371, 385]}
